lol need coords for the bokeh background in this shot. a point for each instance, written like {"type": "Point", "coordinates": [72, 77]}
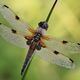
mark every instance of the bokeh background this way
{"type": "Point", "coordinates": [63, 24]}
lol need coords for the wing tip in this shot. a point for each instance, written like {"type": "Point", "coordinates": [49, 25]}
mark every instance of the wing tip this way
{"type": "Point", "coordinates": [72, 66]}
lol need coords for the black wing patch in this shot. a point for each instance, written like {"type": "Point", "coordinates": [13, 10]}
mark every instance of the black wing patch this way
{"type": "Point", "coordinates": [5, 6]}
{"type": "Point", "coordinates": [78, 43]}
{"type": "Point", "coordinates": [56, 52]}
{"type": "Point", "coordinates": [64, 42]}
{"type": "Point", "coordinates": [71, 60]}
{"type": "Point", "coordinates": [17, 17]}
{"type": "Point", "coordinates": [13, 31]}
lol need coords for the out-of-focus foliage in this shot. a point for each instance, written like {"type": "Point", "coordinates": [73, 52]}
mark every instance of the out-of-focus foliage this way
{"type": "Point", "coordinates": [64, 24]}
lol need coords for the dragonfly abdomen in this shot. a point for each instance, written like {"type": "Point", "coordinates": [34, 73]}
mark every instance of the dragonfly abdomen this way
{"type": "Point", "coordinates": [28, 59]}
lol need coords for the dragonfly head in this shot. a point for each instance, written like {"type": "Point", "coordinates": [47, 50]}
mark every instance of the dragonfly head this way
{"type": "Point", "coordinates": [43, 25]}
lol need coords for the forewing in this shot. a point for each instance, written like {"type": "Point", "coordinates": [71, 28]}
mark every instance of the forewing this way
{"type": "Point", "coordinates": [55, 57]}
{"type": "Point", "coordinates": [14, 20]}
{"type": "Point", "coordinates": [14, 38]}
{"type": "Point", "coordinates": [63, 46]}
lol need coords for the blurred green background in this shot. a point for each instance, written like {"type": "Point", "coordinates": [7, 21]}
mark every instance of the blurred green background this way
{"type": "Point", "coordinates": [63, 24]}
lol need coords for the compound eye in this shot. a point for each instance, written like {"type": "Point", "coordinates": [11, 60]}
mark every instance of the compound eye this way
{"type": "Point", "coordinates": [40, 24]}
{"type": "Point", "coordinates": [43, 25]}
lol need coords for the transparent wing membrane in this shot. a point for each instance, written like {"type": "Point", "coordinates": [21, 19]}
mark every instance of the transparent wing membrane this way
{"type": "Point", "coordinates": [14, 20]}
{"type": "Point", "coordinates": [63, 46]}
{"type": "Point", "coordinates": [14, 38]}
{"type": "Point", "coordinates": [55, 57]}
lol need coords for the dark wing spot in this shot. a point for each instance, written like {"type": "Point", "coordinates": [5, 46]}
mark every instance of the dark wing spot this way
{"type": "Point", "coordinates": [13, 31]}
{"type": "Point", "coordinates": [64, 42]}
{"type": "Point", "coordinates": [17, 17]}
{"type": "Point", "coordinates": [78, 43]}
{"type": "Point", "coordinates": [71, 60]}
{"type": "Point", "coordinates": [56, 52]}
{"type": "Point", "coordinates": [6, 6]}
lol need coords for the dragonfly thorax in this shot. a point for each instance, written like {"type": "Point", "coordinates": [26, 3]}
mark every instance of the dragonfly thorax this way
{"type": "Point", "coordinates": [35, 40]}
{"type": "Point", "coordinates": [37, 36]}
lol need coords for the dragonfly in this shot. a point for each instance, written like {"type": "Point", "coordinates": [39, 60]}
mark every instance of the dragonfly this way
{"type": "Point", "coordinates": [22, 35]}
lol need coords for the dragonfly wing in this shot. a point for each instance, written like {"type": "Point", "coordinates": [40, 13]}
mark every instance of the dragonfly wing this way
{"type": "Point", "coordinates": [63, 46]}
{"type": "Point", "coordinates": [56, 58]}
{"type": "Point", "coordinates": [14, 38]}
{"type": "Point", "coordinates": [14, 20]}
